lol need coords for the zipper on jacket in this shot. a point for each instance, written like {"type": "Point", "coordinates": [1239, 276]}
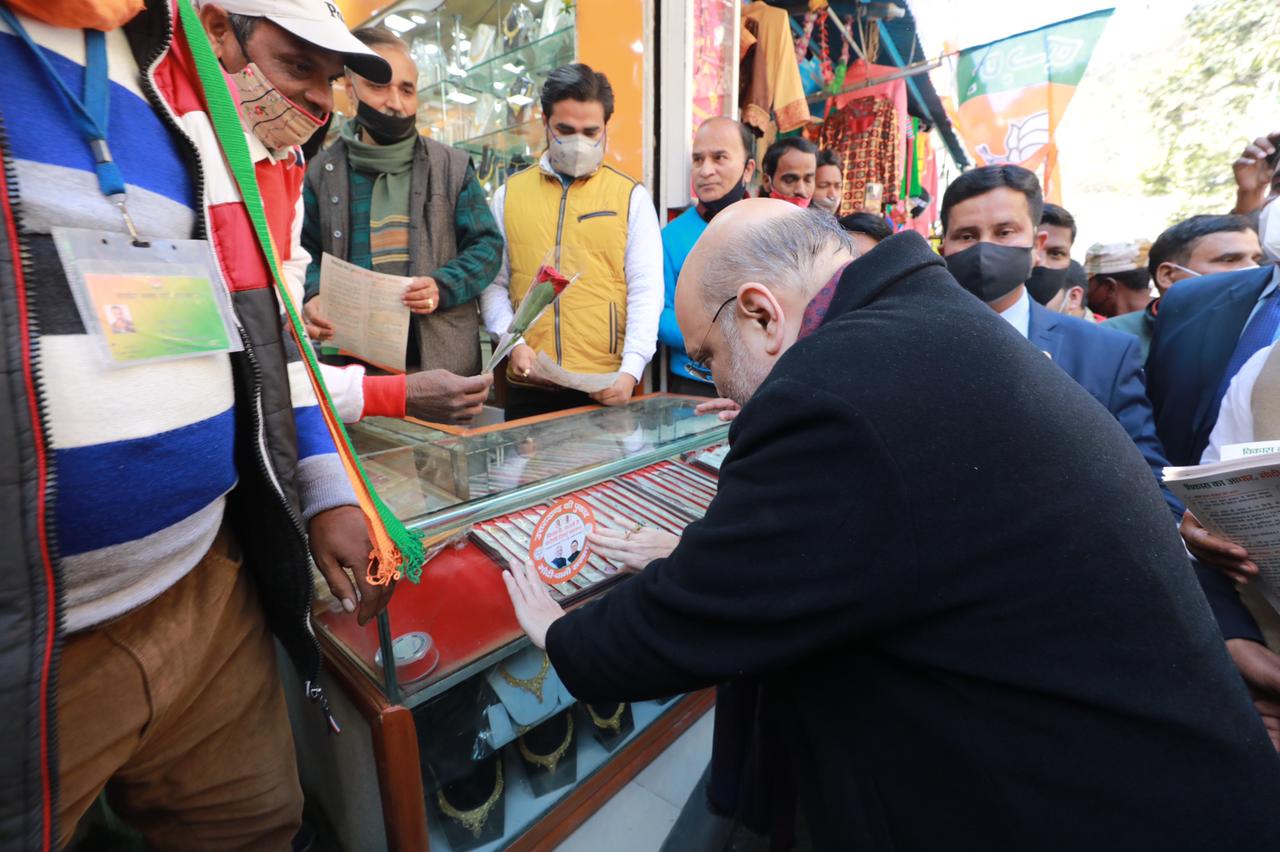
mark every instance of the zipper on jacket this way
{"type": "Point", "coordinates": [47, 545]}
{"type": "Point", "coordinates": [564, 199]}
{"type": "Point", "coordinates": [204, 229]}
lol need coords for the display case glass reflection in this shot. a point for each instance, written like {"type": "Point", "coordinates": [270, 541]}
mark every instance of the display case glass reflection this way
{"type": "Point", "coordinates": [481, 64]}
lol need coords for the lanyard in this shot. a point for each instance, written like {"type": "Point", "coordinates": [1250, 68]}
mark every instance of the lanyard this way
{"type": "Point", "coordinates": [89, 113]}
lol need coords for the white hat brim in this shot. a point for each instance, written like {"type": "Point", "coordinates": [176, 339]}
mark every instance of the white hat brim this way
{"type": "Point", "coordinates": [332, 34]}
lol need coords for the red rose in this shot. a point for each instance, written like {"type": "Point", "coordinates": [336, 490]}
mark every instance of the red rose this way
{"type": "Point", "coordinates": [558, 281]}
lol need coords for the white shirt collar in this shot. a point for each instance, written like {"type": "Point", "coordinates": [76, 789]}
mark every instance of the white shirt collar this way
{"type": "Point", "coordinates": [1019, 314]}
{"type": "Point", "coordinates": [259, 152]}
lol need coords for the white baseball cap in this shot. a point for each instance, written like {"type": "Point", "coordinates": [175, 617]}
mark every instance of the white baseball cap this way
{"type": "Point", "coordinates": [318, 22]}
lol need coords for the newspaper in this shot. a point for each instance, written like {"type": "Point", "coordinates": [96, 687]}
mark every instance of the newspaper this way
{"type": "Point", "coordinates": [369, 318]}
{"type": "Point", "coordinates": [548, 370]}
{"type": "Point", "coordinates": [1239, 500]}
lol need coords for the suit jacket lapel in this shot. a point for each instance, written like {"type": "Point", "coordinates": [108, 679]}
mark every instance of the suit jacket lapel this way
{"type": "Point", "coordinates": [1214, 335]}
{"type": "Point", "coordinates": [1042, 330]}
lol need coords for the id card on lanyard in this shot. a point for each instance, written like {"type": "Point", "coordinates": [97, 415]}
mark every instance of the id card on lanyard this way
{"type": "Point", "coordinates": [140, 299]}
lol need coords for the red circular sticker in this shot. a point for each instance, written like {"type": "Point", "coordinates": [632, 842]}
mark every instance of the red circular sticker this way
{"type": "Point", "coordinates": [559, 547]}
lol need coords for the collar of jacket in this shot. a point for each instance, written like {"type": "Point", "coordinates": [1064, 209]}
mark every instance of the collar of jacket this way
{"type": "Point", "coordinates": [901, 255]}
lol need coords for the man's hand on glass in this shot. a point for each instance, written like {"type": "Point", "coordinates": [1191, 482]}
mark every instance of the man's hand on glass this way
{"type": "Point", "coordinates": [422, 296]}
{"type": "Point", "coordinates": [318, 328]}
{"type": "Point", "coordinates": [1229, 558]}
{"type": "Point", "coordinates": [725, 409]}
{"type": "Point", "coordinates": [633, 548]}
{"type": "Point", "coordinates": [443, 397]}
{"type": "Point", "coordinates": [618, 393]}
{"type": "Point", "coordinates": [535, 609]}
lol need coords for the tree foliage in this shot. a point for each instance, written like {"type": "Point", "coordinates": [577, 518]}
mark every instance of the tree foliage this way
{"type": "Point", "coordinates": [1224, 76]}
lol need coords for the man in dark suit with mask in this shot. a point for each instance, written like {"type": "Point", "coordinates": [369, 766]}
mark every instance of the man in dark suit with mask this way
{"type": "Point", "coordinates": [989, 218]}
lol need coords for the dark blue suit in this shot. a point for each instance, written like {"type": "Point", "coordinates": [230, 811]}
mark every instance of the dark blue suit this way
{"type": "Point", "coordinates": [1108, 364]}
{"type": "Point", "coordinates": [1197, 328]}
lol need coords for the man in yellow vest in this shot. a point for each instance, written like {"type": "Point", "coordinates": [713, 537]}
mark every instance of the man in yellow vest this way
{"type": "Point", "coordinates": [591, 220]}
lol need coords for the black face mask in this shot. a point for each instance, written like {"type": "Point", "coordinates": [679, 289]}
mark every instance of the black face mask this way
{"type": "Point", "coordinates": [382, 128]}
{"type": "Point", "coordinates": [990, 271]}
{"type": "Point", "coordinates": [1046, 283]}
{"type": "Point", "coordinates": [709, 209]}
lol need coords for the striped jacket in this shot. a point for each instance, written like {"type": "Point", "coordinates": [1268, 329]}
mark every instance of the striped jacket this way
{"type": "Point", "coordinates": [102, 471]}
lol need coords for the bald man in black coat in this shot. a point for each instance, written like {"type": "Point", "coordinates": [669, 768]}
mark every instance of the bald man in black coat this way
{"type": "Point", "coordinates": [947, 565]}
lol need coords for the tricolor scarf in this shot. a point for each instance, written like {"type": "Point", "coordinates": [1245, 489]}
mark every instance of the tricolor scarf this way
{"type": "Point", "coordinates": [396, 550]}
{"type": "Point", "coordinates": [392, 167]}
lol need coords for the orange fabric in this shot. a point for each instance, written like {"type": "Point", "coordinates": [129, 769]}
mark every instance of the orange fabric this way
{"type": "Point", "coordinates": [105, 15]}
{"type": "Point", "coordinates": [178, 704]}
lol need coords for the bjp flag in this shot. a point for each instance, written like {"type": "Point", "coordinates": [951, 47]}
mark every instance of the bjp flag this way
{"type": "Point", "coordinates": [1011, 94]}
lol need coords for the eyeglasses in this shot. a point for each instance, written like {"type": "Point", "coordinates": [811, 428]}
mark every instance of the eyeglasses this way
{"type": "Point", "coordinates": [692, 367]}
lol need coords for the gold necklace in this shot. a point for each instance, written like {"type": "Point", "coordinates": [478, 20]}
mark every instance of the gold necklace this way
{"type": "Point", "coordinates": [548, 761]}
{"type": "Point", "coordinates": [529, 684]}
{"type": "Point", "coordinates": [474, 819]}
{"type": "Point", "coordinates": [613, 723]}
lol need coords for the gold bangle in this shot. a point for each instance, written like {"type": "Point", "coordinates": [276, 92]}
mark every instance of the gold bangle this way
{"type": "Point", "coordinates": [613, 723]}
{"type": "Point", "coordinates": [548, 761]}
{"type": "Point", "coordinates": [531, 685]}
{"type": "Point", "coordinates": [474, 819]}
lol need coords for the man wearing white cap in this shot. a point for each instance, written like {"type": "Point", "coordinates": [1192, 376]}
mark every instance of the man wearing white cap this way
{"type": "Point", "coordinates": [160, 522]}
{"type": "Point", "coordinates": [1119, 282]}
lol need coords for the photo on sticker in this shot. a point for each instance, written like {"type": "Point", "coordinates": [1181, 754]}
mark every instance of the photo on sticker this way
{"type": "Point", "coordinates": [119, 320]}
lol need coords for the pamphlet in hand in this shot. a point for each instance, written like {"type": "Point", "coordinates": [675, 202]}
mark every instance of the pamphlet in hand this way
{"type": "Point", "coordinates": [549, 370]}
{"type": "Point", "coordinates": [1239, 500]}
{"type": "Point", "coordinates": [547, 286]}
{"type": "Point", "coordinates": [369, 317]}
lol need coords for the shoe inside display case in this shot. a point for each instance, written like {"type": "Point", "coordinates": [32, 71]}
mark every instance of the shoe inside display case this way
{"type": "Point", "coordinates": [501, 741]}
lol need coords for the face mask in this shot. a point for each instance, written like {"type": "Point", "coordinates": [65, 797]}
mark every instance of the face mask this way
{"type": "Point", "coordinates": [383, 128]}
{"type": "Point", "coordinates": [826, 203]}
{"type": "Point", "coordinates": [802, 203]}
{"type": "Point", "coordinates": [575, 156]}
{"type": "Point", "coordinates": [990, 271]}
{"type": "Point", "coordinates": [711, 208]}
{"type": "Point", "coordinates": [277, 121]}
{"type": "Point", "coordinates": [1046, 283]}
{"type": "Point", "coordinates": [1269, 231]}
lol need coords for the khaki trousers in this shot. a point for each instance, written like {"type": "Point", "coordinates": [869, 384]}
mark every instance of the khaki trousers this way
{"type": "Point", "coordinates": [176, 709]}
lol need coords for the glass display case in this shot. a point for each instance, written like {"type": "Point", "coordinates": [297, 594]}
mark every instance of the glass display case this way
{"type": "Point", "coordinates": [481, 65]}
{"type": "Point", "coordinates": [500, 743]}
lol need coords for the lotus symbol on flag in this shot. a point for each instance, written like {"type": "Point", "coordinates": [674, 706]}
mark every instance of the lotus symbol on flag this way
{"type": "Point", "coordinates": [1023, 140]}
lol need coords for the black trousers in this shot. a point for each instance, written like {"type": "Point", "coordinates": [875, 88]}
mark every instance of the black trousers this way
{"type": "Point", "coordinates": [524, 401]}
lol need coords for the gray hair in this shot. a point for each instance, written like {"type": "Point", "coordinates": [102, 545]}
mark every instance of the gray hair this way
{"type": "Point", "coordinates": [781, 252]}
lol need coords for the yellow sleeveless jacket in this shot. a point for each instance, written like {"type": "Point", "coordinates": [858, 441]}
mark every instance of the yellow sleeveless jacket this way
{"type": "Point", "coordinates": [586, 224]}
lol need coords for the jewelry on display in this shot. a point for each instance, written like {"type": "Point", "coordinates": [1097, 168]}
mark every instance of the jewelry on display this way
{"type": "Point", "coordinates": [474, 819]}
{"type": "Point", "coordinates": [613, 723]}
{"type": "Point", "coordinates": [548, 761]}
{"type": "Point", "coordinates": [532, 685]}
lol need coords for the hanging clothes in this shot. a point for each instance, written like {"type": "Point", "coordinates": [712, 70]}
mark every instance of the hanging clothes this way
{"type": "Point", "coordinates": [867, 138]}
{"type": "Point", "coordinates": [770, 74]}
